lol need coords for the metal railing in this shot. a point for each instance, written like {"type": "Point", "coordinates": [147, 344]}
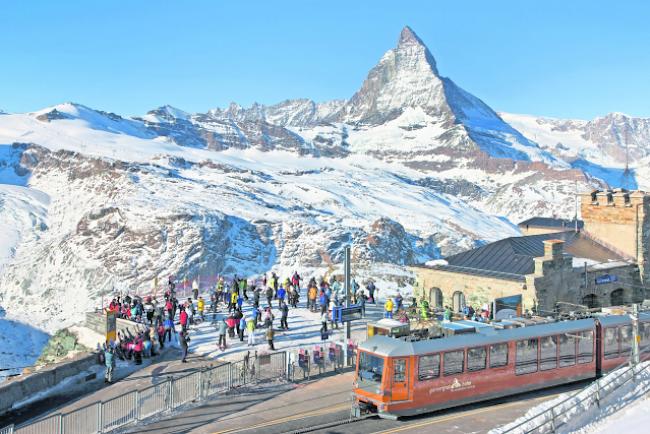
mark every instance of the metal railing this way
{"type": "Point", "coordinates": [311, 361]}
{"type": "Point", "coordinates": [163, 397]}
{"type": "Point", "coordinates": [552, 418]}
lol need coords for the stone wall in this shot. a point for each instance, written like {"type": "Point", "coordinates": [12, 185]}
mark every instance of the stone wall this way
{"type": "Point", "coordinates": [627, 282]}
{"type": "Point", "coordinates": [542, 230]}
{"type": "Point", "coordinates": [476, 289]}
{"type": "Point", "coordinates": [554, 280]}
{"type": "Point", "coordinates": [19, 388]}
{"type": "Point", "coordinates": [619, 219]}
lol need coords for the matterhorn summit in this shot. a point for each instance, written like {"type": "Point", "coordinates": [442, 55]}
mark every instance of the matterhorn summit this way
{"type": "Point", "coordinates": [406, 76]}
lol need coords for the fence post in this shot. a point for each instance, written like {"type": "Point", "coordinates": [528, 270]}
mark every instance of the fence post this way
{"type": "Point", "coordinates": [229, 375]}
{"type": "Point", "coordinates": [200, 386]}
{"type": "Point", "coordinates": [598, 393]}
{"type": "Point", "coordinates": [100, 417]}
{"type": "Point", "coordinates": [137, 405]}
{"type": "Point", "coordinates": [171, 393]}
{"type": "Point", "coordinates": [552, 420]}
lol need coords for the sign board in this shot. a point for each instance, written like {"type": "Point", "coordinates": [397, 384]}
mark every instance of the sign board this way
{"type": "Point", "coordinates": [345, 314]}
{"type": "Point", "coordinates": [606, 278]}
{"type": "Point", "coordinates": [111, 326]}
{"type": "Point", "coordinates": [507, 307]}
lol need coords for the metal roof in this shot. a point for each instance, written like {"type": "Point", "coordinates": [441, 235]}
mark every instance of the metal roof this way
{"type": "Point", "coordinates": [393, 347]}
{"type": "Point", "coordinates": [548, 222]}
{"type": "Point", "coordinates": [514, 256]}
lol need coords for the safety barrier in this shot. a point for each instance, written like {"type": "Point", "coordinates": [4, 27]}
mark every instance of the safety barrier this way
{"type": "Point", "coordinates": [51, 424]}
{"type": "Point", "coordinates": [311, 361]}
{"type": "Point", "coordinates": [185, 389]}
{"type": "Point", "coordinates": [552, 418]}
{"type": "Point", "coordinates": [166, 396]}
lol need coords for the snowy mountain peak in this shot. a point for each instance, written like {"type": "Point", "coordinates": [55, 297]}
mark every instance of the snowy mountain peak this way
{"type": "Point", "coordinates": [406, 76]}
{"type": "Point", "coordinates": [166, 113]}
{"type": "Point", "coordinates": [408, 36]}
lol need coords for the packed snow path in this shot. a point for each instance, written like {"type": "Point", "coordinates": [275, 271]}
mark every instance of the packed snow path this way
{"type": "Point", "coordinates": [304, 330]}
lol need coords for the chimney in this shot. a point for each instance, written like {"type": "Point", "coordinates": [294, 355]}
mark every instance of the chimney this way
{"type": "Point", "coordinates": [553, 249]}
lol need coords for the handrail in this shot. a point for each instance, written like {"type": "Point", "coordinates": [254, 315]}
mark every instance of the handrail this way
{"type": "Point", "coordinates": [570, 397]}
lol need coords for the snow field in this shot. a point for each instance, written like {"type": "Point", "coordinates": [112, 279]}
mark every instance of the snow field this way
{"type": "Point", "coordinates": [580, 414]}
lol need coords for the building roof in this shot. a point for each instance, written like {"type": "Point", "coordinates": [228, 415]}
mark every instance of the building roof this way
{"type": "Point", "coordinates": [548, 222]}
{"type": "Point", "coordinates": [512, 258]}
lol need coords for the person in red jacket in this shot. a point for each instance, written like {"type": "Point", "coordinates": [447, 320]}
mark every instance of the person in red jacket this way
{"type": "Point", "coordinates": [183, 318]}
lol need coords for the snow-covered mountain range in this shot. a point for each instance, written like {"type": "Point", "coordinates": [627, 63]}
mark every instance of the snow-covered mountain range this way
{"type": "Point", "coordinates": [409, 168]}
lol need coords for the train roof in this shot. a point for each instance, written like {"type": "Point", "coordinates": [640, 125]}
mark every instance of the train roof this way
{"type": "Point", "coordinates": [394, 347]}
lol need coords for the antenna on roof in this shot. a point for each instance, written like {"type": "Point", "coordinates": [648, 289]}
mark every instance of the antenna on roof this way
{"type": "Point", "coordinates": [576, 207]}
{"type": "Point", "coordinates": [627, 153]}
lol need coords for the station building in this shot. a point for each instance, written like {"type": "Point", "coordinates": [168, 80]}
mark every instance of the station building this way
{"type": "Point", "coordinates": [600, 260]}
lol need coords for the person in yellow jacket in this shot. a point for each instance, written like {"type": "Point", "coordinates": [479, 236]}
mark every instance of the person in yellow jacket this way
{"type": "Point", "coordinates": [250, 326]}
{"type": "Point", "coordinates": [200, 305]}
{"type": "Point", "coordinates": [311, 298]}
{"type": "Point", "coordinates": [388, 307]}
{"type": "Point", "coordinates": [233, 301]}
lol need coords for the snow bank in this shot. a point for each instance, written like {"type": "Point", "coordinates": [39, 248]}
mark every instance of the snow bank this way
{"type": "Point", "coordinates": [581, 412]}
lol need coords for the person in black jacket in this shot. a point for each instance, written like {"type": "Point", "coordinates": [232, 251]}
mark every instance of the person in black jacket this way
{"type": "Point", "coordinates": [184, 339]}
{"type": "Point", "coordinates": [284, 308]}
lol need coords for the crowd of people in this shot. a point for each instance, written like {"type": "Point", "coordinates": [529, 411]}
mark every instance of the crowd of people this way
{"type": "Point", "coordinates": [394, 307]}
{"type": "Point", "coordinates": [226, 312]}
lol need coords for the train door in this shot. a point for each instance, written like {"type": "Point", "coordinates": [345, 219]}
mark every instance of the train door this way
{"type": "Point", "coordinates": [400, 380]}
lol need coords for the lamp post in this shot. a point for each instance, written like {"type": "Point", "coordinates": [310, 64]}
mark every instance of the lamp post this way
{"type": "Point", "coordinates": [346, 271]}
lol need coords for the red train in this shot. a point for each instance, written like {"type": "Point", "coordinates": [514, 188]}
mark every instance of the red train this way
{"type": "Point", "coordinates": [395, 377]}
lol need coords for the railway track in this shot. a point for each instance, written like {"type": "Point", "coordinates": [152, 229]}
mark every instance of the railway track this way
{"type": "Point", "coordinates": [479, 417]}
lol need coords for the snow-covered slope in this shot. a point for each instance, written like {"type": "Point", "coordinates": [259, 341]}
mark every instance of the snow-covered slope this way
{"type": "Point", "coordinates": [602, 146]}
{"type": "Point", "coordinates": [410, 168]}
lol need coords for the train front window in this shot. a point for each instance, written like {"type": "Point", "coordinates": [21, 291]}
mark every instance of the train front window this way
{"type": "Point", "coordinates": [371, 370]}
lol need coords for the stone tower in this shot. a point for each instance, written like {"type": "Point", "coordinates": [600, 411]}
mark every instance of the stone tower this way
{"type": "Point", "coordinates": [620, 220]}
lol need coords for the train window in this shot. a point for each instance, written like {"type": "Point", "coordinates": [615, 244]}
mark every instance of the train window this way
{"type": "Point", "coordinates": [627, 337]}
{"type": "Point", "coordinates": [585, 346]}
{"type": "Point", "coordinates": [611, 343]}
{"type": "Point", "coordinates": [454, 362]}
{"type": "Point", "coordinates": [526, 360]}
{"type": "Point", "coordinates": [428, 367]}
{"type": "Point", "coordinates": [476, 359]}
{"type": "Point", "coordinates": [399, 371]}
{"type": "Point", "coordinates": [498, 355]}
{"type": "Point", "coordinates": [567, 350]}
{"type": "Point", "coordinates": [644, 332]}
{"type": "Point", "coordinates": [548, 353]}
{"type": "Point", "coordinates": [371, 368]}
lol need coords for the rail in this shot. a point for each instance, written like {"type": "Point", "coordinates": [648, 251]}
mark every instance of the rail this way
{"type": "Point", "coordinates": [552, 418]}
{"type": "Point", "coordinates": [174, 392]}
{"type": "Point", "coordinates": [157, 399]}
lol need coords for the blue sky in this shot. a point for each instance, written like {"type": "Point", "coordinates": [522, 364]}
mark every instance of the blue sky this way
{"type": "Point", "coordinates": [555, 58]}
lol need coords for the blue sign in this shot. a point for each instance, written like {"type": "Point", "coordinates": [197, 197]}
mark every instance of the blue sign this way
{"type": "Point", "coordinates": [606, 278]}
{"type": "Point", "coordinates": [345, 314]}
